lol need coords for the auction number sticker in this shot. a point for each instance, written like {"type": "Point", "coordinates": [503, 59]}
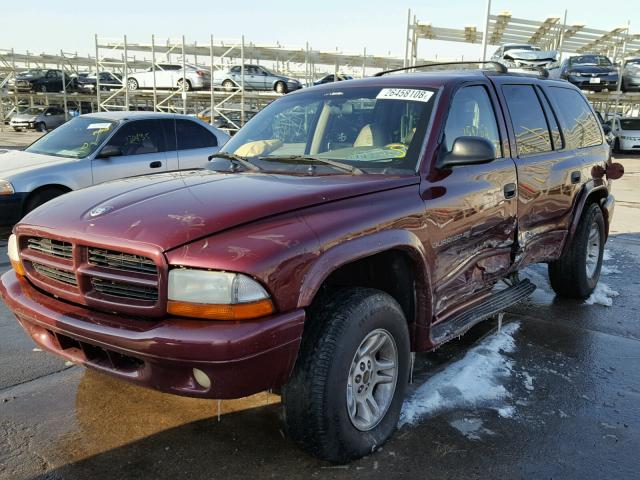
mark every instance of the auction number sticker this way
{"type": "Point", "coordinates": [412, 94]}
{"type": "Point", "coordinates": [99, 126]}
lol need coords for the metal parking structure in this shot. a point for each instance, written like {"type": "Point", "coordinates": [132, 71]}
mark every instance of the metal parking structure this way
{"type": "Point", "coordinates": [553, 33]}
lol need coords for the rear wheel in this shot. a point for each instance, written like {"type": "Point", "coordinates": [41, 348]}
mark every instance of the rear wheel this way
{"type": "Point", "coordinates": [281, 87]}
{"type": "Point", "coordinates": [40, 197]}
{"type": "Point", "coordinates": [576, 273]}
{"type": "Point", "coordinates": [344, 398]}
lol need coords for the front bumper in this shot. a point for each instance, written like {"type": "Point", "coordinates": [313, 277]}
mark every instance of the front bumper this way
{"type": "Point", "coordinates": [585, 83]}
{"type": "Point", "coordinates": [629, 143]}
{"type": "Point", "coordinates": [11, 208]}
{"type": "Point", "coordinates": [22, 124]}
{"type": "Point", "coordinates": [240, 358]}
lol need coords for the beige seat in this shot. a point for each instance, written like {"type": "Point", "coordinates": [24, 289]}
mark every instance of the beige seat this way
{"type": "Point", "coordinates": [371, 135]}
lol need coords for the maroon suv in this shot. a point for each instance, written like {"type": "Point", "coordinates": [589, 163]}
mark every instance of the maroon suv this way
{"type": "Point", "coordinates": [343, 228]}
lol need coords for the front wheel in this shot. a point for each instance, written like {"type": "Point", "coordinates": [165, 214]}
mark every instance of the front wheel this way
{"type": "Point", "coordinates": [184, 85]}
{"type": "Point", "coordinates": [228, 85]}
{"type": "Point", "coordinates": [576, 273]}
{"type": "Point", "coordinates": [41, 127]}
{"type": "Point", "coordinates": [344, 398]}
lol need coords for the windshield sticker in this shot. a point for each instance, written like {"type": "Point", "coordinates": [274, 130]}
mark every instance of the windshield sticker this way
{"type": "Point", "coordinates": [99, 126]}
{"type": "Point", "coordinates": [412, 94]}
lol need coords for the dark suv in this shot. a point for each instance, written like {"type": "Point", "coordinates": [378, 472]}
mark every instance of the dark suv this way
{"type": "Point", "coordinates": [343, 228]}
{"type": "Point", "coordinates": [39, 80]}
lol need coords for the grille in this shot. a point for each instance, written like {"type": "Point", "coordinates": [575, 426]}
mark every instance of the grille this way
{"type": "Point", "coordinates": [121, 261]}
{"type": "Point", "coordinates": [56, 274]}
{"type": "Point", "coordinates": [126, 290]}
{"type": "Point", "coordinates": [54, 248]}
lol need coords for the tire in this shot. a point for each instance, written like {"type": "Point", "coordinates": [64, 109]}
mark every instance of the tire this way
{"type": "Point", "coordinates": [132, 84]}
{"type": "Point", "coordinates": [616, 146]}
{"type": "Point", "coordinates": [576, 273]}
{"type": "Point", "coordinates": [184, 85]}
{"type": "Point", "coordinates": [17, 129]}
{"type": "Point", "coordinates": [228, 85]}
{"type": "Point", "coordinates": [316, 398]}
{"type": "Point", "coordinates": [41, 127]}
{"type": "Point", "coordinates": [40, 197]}
{"type": "Point", "coordinates": [281, 87]}
{"type": "Point", "coordinates": [43, 88]}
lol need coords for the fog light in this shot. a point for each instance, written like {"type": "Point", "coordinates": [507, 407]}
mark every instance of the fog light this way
{"type": "Point", "coordinates": [202, 378]}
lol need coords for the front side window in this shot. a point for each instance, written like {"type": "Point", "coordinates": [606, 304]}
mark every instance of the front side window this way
{"type": "Point", "coordinates": [529, 124]}
{"type": "Point", "coordinates": [471, 115]}
{"type": "Point", "coordinates": [578, 123]}
{"type": "Point", "coordinates": [375, 129]}
{"type": "Point", "coordinates": [139, 137]}
{"type": "Point", "coordinates": [77, 138]}
{"type": "Point", "coordinates": [191, 135]}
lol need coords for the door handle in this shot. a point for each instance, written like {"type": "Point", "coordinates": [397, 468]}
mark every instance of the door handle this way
{"type": "Point", "coordinates": [156, 164]}
{"type": "Point", "coordinates": [510, 190]}
{"type": "Point", "coordinates": [575, 177]}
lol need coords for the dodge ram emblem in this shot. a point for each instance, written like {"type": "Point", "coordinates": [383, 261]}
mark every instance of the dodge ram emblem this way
{"type": "Point", "coordinates": [100, 211]}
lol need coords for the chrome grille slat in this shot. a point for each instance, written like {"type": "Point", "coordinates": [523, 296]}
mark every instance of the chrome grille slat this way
{"type": "Point", "coordinates": [121, 261]}
{"type": "Point", "coordinates": [55, 248]}
{"type": "Point", "coordinates": [56, 274]}
{"type": "Point", "coordinates": [126, 290]}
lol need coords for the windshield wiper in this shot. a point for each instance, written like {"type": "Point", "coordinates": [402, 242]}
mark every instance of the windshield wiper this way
{"type": "Point", "coordinates": [236, 160]}
{"type": "Point", "coordinates": [313, 160]}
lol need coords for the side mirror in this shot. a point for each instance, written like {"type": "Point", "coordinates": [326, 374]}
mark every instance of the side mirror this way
{"type": "Point", "coordinates": [468, 151]}
{"type": "Point", "coordinates": [109, 151]}
{"type": "Point", "coordinates": [606, 128]}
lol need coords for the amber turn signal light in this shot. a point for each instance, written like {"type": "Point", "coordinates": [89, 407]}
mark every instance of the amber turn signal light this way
{"type": "Point", "coordinates": [238, 311]}
{"type": "Point", "coordinates": [14, 255]}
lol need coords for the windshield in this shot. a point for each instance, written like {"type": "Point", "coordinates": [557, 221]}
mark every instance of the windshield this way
{"type": "Point", "coordinates": [599, 60]}
{"type": "Point", "coordinates": [633, 61]}
{"type": "Point", "coordinates": [630, 123]}
{"type": "Point", "coordinates": [378, 130]}
{"type": "Point", "coordinates": [77, 138]}
{"type": "Point", "coordinates": [34, 111]}
{"type": "Point", "coordinates": [33, 72]}
{"type": "Point", "coordinates": [520, 47]}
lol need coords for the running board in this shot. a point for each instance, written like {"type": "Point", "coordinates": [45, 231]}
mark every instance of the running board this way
{"type": "Point", "coordinates": [492, 305]}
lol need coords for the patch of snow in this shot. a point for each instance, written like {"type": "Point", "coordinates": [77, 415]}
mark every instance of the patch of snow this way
{"type": "Point", "coordinates": [609, 270]}
{"type": "Point", "coordinates": [507, 412]}
{"type": "Point", "coordinates": [474, 381]}
{"type": "Point", "coordinates": [602, 295]}
{"type": "Point", "coordinates": [471, 428]}
{"type": "Point", "coordinates": [528, 381]}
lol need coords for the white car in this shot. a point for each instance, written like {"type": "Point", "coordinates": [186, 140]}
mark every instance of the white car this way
{"type": "Point", "coordinates": [100, 147]}
{"type": "Point", "coordinates": [169, 76]}
{"type": "Point", "coordinates": [627, 132]}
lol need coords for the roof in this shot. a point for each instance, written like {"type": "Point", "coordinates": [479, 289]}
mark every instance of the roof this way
{"type": "Point", "coordinates": [131, 115]}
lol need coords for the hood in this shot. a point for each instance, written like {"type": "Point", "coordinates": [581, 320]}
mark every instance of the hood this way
{"type": "Point", "coordinates": [15, 161]}
{"type": "Point", "coordinates": [172, 209]}
{"type": "Point", "coordinates": [24, 117]}
{"type": "Point", "coordinates": [592, 69]}
{"type": "Point", "coordinates": [531, 54]}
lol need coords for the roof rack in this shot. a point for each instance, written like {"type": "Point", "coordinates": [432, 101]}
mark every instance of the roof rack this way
{"type": "Point", "coordinates": [499, 67]}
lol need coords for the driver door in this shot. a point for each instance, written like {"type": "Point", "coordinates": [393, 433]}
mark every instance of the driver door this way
{"type": "Point", "coordinates": [142, 149]}
{"type": "Point", "coordinates": [471, 209]}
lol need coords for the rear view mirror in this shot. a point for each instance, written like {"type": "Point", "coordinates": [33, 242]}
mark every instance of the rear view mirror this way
{"type": "Point", "coordinates": [468, 151]}
{"type": "Point", "coordinates": [109, 151]}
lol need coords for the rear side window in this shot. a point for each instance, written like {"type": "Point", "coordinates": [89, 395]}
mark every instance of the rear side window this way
{"type": "Point", "coordinates": [191, 135]}
{"type": "Point", "coordinates": [138, 137]}
{"type": "Point", "coordinates": [578, 123]}
{"type": "Point", "coordinates": [471, 114]}
{"type": "Point", "coordinates": [529, 123]}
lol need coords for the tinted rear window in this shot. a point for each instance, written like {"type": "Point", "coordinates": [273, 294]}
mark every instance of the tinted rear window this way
{"type": "Point", "coordinates": [579, 125]}
{"type": "Point", "coordinates": [191, 135]}
{"type": "Point", "coordinates": [529, 123]}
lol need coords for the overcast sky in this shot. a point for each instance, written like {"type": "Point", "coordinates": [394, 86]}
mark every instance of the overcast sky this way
{"type": "Point", "coordinates": [379, 25]}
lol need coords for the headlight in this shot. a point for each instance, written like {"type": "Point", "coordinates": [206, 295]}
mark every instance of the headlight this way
{"type": "Point", "coordinates": [216, 295]}
{"type": "Point", "coordinates": [14, 255]}
{"type": "Point", "coordinates": [6, 188]}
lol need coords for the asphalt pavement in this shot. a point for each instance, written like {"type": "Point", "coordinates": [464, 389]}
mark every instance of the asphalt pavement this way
{"type": "Point", "coordinates": [555, 393]}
